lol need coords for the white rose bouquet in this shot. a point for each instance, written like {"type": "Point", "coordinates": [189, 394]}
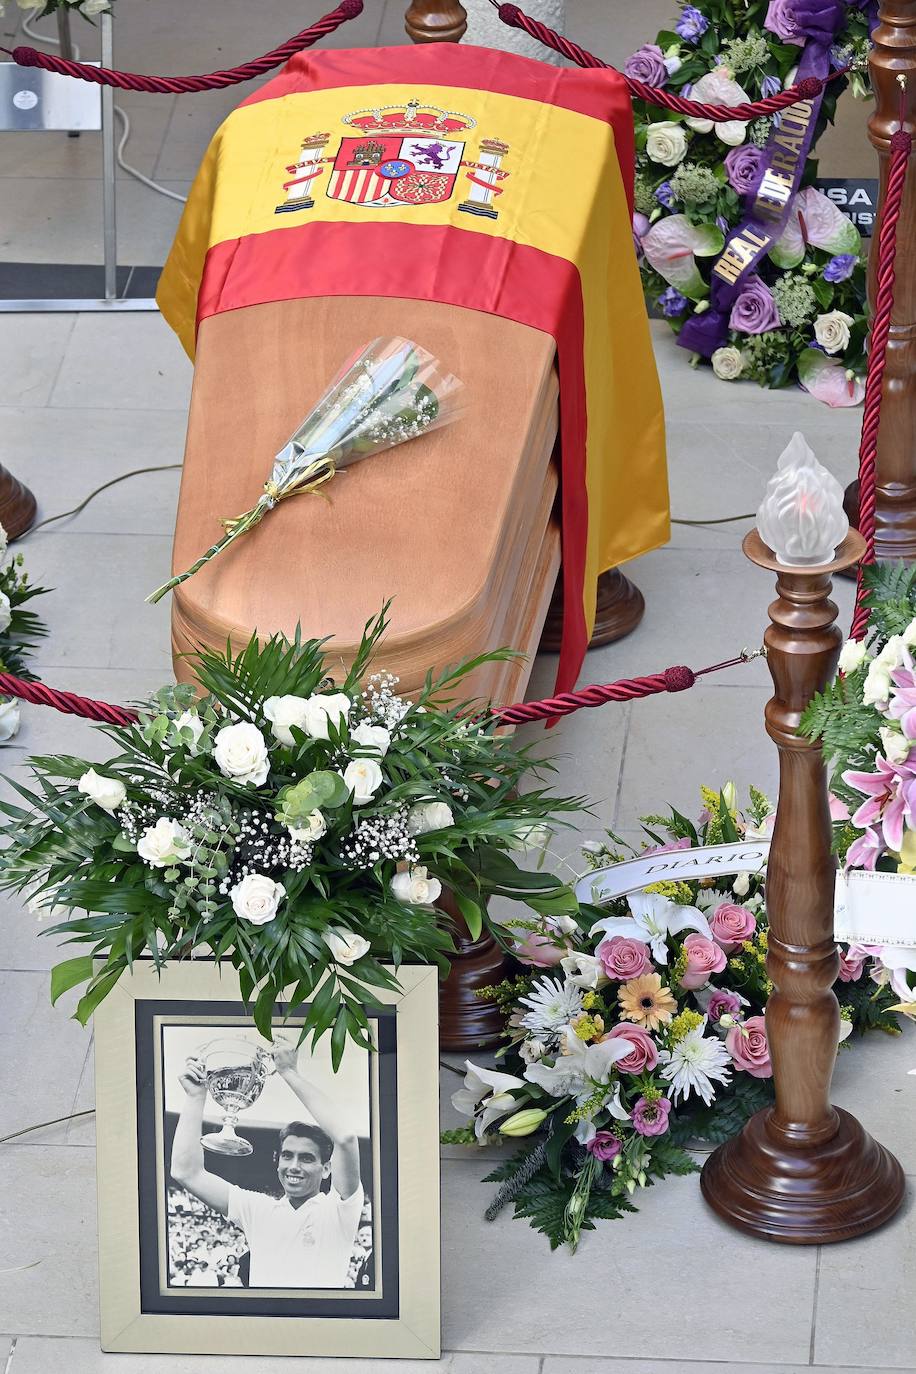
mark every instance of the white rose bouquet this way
{"type": "Point", "coordinates": [20, 630]}
{"type": "Point", "coordinates": [391, 392]}
{"type": "Point", "coordinates": [301, 829]}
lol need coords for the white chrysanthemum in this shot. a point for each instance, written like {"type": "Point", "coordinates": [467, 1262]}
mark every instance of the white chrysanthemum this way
{"type": "Point", "coordinates": [693, 1063]}
{"type": "Point", "coordinates": [551, 1006]}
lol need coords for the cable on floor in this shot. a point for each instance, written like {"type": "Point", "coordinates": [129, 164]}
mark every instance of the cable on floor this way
{"type": "Point", "coordinates": [50, 519]}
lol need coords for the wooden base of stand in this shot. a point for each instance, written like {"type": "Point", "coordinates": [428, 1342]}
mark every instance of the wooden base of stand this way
{"type": "Point", "coordinates": [620, 608]}
{"type": "Point", "coordinates": [466, 1021]}
{"type": "Point", "coordinates": [844, 1187]}
{"type": "Point", "coordinates": [17, 505]}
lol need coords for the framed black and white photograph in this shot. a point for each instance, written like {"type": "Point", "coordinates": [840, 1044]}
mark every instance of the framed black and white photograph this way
{"type": "Point", "coordinates": [278, 1206]}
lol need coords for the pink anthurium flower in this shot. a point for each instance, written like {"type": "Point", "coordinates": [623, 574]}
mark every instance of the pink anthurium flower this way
{"type": "Point", "coordinates": [828, 380]}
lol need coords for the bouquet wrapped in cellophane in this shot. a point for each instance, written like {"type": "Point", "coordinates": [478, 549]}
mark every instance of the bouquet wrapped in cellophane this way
{"type": "Point", "coordinates": [392, 391]}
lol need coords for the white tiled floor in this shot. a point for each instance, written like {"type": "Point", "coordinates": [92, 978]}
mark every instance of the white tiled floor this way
{"type": "Point", "coordinates": [82, 399]}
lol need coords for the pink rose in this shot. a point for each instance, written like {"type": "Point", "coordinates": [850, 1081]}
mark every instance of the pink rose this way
{"type": "Point", "coordinates": [704, 958]}
{"type": "Point", "coordinates": [643, 1055]}
{"type": "Point", "coordinates": [604, 1145]}
{"type": "Point", "coordinates": [730, 924]}
{"type": "Point", "coordinates": [651, 1118]}
{"type": "Point", "coordinates": [747, 1045]}
{"type": "Point", "coordinates": [540, 951]}
{"type": "Point", "coordinates": [852, 963]}
{"type": "Point", "coordinates": [624, 958]}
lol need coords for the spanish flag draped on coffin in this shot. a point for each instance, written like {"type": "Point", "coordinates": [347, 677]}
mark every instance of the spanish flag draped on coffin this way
{"type": "Point", "coordinates": [472, 178]}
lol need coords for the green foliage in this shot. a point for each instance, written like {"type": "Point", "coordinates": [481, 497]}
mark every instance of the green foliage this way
{"type": "Point", "coordinates": [26, 629]}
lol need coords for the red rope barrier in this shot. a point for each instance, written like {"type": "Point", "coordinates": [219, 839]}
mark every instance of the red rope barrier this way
{"type": "Point", "coordinates": [176, 85]}
{"type": "Point", "coordinates": [901, 148]}
{"type": "Point", "coordinates": [807, 89]}
{"type": "Point", "coordinates": [67, 702]}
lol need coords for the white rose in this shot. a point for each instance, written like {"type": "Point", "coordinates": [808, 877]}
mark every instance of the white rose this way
{"type": "Point", "coordinates": [531, 835]}
{"type": "Point", "coordinates": [741, 885]}
{"type": "Point", "coordinates": [909, 635]}
{"type": "Point", "coordinates": [531, 1051]}
{"type": "Point", "coordinates": [374, 737]}
{"type": "Point", "coordinates": [283, 712]}
{"type": "Point", "coordinates": [895, 744]}
{"type": "Point", "coordinates": [164, 844]}
{"type": "Point", "coordinates": [4, 539]}
{"type": "Point", "coordinates": [415, 887]}
{"type": "Point", "coordinates": [345, 945]}
{"type": "Point", "coordinates": [6, 613]}
{"type": "Point", "coordinates": [728, 363]}
{"type": "Point", "coordinates": [666, 143]}
{"type": "Point", "coordinates": [333, 707]}
{"type": "Point", "coordinates": [108, 793]}
{"type": "Point", "coordinates": [315, 826]}
{"type": "Point", "coordinates": [241, 753]}
{"type": "Point", "coordinates": [93, 7]}
{"type": "Point", "coordinates": [9, 718]}
{"type": "Point", "coordinates": [852, 655]}
{"type": "Point", "coordinates": [877, 687]}
{"type": "Point", "coordinates": [256, 898]}
{"type": "Point", "coordinates": [364, 778]}
{"type": "Point", "coordinates": [190, 720]}
{"type": "Point", "coordinates": [832, 330]}
{"type": "Point", "coordinates": [426, 816]}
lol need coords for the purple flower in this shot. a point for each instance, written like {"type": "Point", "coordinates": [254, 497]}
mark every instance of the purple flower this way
{"type": "Point", "coordinates": [840, 267]}
{"type": "Point", "coordinates": [664, 195]}
{"type": "Point", "coordinates": [770, 85]}
{"type": "Point", "coordinates": [672, 302]}
{"type": "Point", "coordinates": [754, 311]}
{"type": "Point", "coordinates": [743, 166]}
{"type": "Point", "coordinates": [692, 24]}
{"type": "Point", "coordinates": [651, 1118]}
{"type": "Point", "coordinates": [795, 21]}
{"type": "Point", "coordinates": [647, 64]}
{"type": "Point", "coordinates": [722, 1003]}
{"type": "Point", "coordinates": [604, 1145]}
{"type": "Point", "coordinates": [722, 223]}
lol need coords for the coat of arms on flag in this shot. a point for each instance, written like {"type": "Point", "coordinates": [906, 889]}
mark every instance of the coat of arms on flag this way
{"type": "Point", "coordinates": [403, 155]}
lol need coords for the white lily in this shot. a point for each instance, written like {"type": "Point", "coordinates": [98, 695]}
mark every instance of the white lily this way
{"type": "Point", "coordinates": [898, 960]}
{"type": "Point", "coordinates": [652, 919]}
{"type": "Point", "coordinates": [579, 1067]}
{"type": "Point", "coordinates": [489, 1090]}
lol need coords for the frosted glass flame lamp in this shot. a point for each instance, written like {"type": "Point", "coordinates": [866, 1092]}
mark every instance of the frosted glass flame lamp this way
{"type": "Point", "coordinates": [801, 516]}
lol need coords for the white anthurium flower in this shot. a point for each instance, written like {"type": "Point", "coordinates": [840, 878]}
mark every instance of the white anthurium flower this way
{"type": "Point", "coordinates": [315, 826]}
{"type": "Point", "coordinates": [108, 793]}
{"type": "Point", "coordinates": [374, 737]}
{"type": "Point", "coordinates": [164, 844]}
{"type": "Point", "coordinates": [345, 945]}
{"type": "Point", "coordinates": [579, 1067]}
{"type": "Point", "coordinates": [652, 919]}
{"type": "Point", "coordinates": [9, 718]}
{"type": "Point", "coordinates": [719, 87]}
{"type": "Point", "coordinates": [364, 778]}
{"type": "Point", "coordinates": [415, 886]}
{"type": "Point", "coordinates": [584, 970]}
{"type": "Point", "coordinates": [284, 713]}
{"type": "Point", "coordinates": [240, 753]}
{"type": "Point", "coordinates": [324, 708]}
{"type": "Point", "coordinates": [489, 1090]}
{"type": "Point", "coordinates": [6, 612]}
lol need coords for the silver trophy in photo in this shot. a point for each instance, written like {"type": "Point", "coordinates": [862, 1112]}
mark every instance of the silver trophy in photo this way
{"type": "Point", "coordinates": [236, 1073]}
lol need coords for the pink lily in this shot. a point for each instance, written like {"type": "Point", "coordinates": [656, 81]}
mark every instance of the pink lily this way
{"type": "Point", "coordinates": [865, 851]}
{"type": "Point", "coordinates": [903, 698]}
{"type": "Point", "coordinates": [891, 794]}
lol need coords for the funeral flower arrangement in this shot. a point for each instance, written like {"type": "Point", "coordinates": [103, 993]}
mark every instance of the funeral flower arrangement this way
{"type": "Point", "coordinates": [20, 630]}
{"type": "Point", "coordinates": [299, 829]}
{"type": "Point", "coordinates": [867, 722]}
{"type": "Point", "coordinates": [800, 316]}
{"type": "Point", "coordinates": [638, 1029]}
{"type": "Point", "coordinates": [87, 8]}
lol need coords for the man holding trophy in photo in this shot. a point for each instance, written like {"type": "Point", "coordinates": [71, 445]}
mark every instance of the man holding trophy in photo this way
{"type": "Point", "coordinates": [305, 1238]}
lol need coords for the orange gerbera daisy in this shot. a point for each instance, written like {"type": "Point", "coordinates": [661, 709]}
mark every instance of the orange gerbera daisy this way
{"type": "Point", "coordinates": [647, 1002]}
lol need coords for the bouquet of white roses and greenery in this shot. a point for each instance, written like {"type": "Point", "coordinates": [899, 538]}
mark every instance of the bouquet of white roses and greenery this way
{"type": "Point", "coordinates": [391, 392]}
{"type": "Point", "coordinates": [300, 829]}
{"type": "Point", "coordinates": [639, 1028]}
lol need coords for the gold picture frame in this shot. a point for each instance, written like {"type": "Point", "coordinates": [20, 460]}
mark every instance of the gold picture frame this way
{"type": "Point", "coordinates": [141, 1310]}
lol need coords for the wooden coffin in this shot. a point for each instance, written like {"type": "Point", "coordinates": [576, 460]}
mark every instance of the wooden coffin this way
{"type": "Point", "coordinates": [458, 526]}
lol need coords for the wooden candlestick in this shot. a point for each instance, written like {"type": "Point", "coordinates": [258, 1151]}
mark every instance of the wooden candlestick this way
{"type": "Point", "coordinates": [894, 53]}
{"type": "Point", "coordinates": [802, 1171]}
{"type": "Point", "coordinates": [17, 505]}
{"type": "Point", "coordinates": [436, 21]}
{"type": "Point", "coordinates": [466, 1021]}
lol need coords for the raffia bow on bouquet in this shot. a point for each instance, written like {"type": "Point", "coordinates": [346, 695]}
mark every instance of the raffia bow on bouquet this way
{"type": "Point", "coordinates": [393, 391]}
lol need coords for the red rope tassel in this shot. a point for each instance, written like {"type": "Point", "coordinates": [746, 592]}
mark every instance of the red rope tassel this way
{"type": "Point", "coordinates": [177, 85]}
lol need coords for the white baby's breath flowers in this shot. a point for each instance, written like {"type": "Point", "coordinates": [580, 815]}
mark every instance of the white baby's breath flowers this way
{"type": "Point", "coordinates": [374, 737]}
{"type": "Point", "coordinates": [315, 826]}
{"type": "Point", "coordinates": [108, 793]}
{"type": "Point", "coordinates": [852, 655]}
{"type": "Point", "coordinates": [285, 712]}
{"type": "Point", "coordinates": [364, 778]}
{"type": "Point", "coordinates": [832, 330]}
{"type": "Point", "coordinates": [415, 886]}
{"type": "Point", "coordinates": [164, 844]}
{"type": "Point", "coordinates": [240, 753]}
{"type": "Point", "coordinates": [428, 816]}
{"type": "Point", "coordinates": [257, 898]}
{"type": "Point", "coordinates": [728, 363]}
{"type": "Point", "coordinates": [6, 612]}
{"type": "Point", "coordinates": [323, 709]}
{"type": "Point", "coordinates": [666, 143]}
{"type": "Point", "coordinates": [345, 945]}
{"type": "Point", "coordinates": [9, 718]}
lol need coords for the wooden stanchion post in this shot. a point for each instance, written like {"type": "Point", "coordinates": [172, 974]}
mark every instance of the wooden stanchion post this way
{"type": "Point", "coordinates": [894, 56]}
{"type": "Point", "coordinates": [436, 21]}
{"type": "Point", "coordinates": [802, 1171]}
{"type": "Point", "coordinates": [17, 505]}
